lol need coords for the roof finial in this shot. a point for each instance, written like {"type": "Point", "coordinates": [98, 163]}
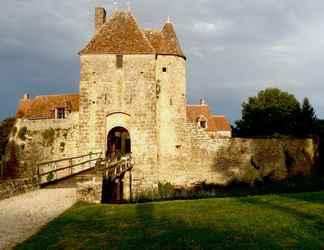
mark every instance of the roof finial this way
{"type": "Point", "coordinates": [129, 8]}
{"type": "Point", "coordinates": [169, 19]}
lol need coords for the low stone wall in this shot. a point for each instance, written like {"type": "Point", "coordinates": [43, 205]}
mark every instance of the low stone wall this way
{"type": "Point", "coordinates": [222, 161]}
{"type": "Point", "coordinates": [45, 140]}
{"type": "Point", "coordinates": [10, 188]}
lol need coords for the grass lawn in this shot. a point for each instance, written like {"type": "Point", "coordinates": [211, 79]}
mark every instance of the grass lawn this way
{"type": "Point", "coordinates": [292, 221]}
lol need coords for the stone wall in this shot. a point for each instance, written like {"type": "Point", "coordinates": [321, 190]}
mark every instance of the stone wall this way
{"type": "Point", "coordinates": [171, 112]}
{"type": "Point", "coordinates": [10, 188]}
{"type": "Point", "coordinates": [121, 97]}
{"type": "Point", "coordinates": [221, 161]}
{"type": "Point", "coordinates": [45, 140]}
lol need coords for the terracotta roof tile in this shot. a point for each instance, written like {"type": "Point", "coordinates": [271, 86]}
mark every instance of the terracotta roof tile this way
{"type": "Point", "coordinates": [195, 111]}
{"type": "Point", "coordinates": [214, 122]}
{"type": "Point", "coordinates": [170, 44]}
{"type": "Point", "coordinates": [119, 35]}
{"type": "Point", "coordinates": [220, 123]}
{"type": "Point", "coordinates": [122, 35]}
{"type": "Point", "coordinates": [23, 107]}
{"type": "Point", "coordinates": [43, 107]}
{"type": "Point", "coordinates": [155, 37]}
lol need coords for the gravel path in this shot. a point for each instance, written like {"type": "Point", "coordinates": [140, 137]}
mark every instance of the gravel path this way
{"type": "Point", "coordinates": [23, 215]}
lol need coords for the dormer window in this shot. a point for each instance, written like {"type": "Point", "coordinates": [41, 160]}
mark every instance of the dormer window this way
{"type": "Point", "coordinates": [202, 122]}
{"type": "Point", "coordinates": [119, 61]}
{"type": "Point", "coordinates": [60, 113]}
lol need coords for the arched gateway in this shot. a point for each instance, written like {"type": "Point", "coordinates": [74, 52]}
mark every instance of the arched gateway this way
{"type": "Point", "coordinates": [118, 147]}
{"type": "Point", "coordinates": [118, 143]}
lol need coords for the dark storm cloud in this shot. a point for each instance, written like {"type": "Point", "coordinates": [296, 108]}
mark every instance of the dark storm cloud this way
{"type": "Point", "coordinates": [234, 48]}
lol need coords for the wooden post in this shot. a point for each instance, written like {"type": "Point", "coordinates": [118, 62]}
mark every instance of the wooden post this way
{"type": "Point", "coordinates": [1, 169]}
{"type": "Point", "coordinates": [71, 166]}
{"type": "Point", "coordinates": [38, 175]}
{"type": "Point", "coordinates": [130, 187]}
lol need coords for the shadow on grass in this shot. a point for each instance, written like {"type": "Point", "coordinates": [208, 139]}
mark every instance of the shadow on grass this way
{"type": "Point", "coordinates": [165, 231]}
{"type": "Point", "coordinates": [303, 207]}
{"type": "Point", "coordinates": [206, 224]}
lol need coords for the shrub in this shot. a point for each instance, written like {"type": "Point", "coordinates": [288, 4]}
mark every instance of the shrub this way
{"type": "Point", "coordinates": [14, 131]}
{"type": "Point", "coordinates": [22, 133]}
{"type": "Point", "coordinates": [5, 129]}
{"type": "Point", "coordinates": [50, 176]}
{"type": "Point", "coordinates": [48, 136]}
{"type": "Point", "coordinates": [12, 165]}
{"type": "Point", "coordinates": [166, 190]}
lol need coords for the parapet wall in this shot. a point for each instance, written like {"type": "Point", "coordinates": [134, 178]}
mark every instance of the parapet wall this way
{"type": "Point", "coordinates": [221, 161]}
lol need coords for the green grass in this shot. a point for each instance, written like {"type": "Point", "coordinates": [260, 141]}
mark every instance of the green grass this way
{"type": "Point", "coordinates": [285, 221]}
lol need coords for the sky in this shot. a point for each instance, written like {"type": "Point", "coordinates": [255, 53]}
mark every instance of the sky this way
{"type": "Point", "coordinates": [234, 48]}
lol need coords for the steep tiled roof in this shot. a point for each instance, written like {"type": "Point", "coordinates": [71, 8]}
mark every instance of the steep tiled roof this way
{"type": "Point", "coordinates": [155, 37]}
{"type": "Point", "coordinates": [23, 108]}
{"type": "Point", "coordinates": [122, 35]}
{"type": "Point", "coordinates": [119, 35]}
{"type": "Point", "coordinates": [170, 44]}
{"type": "Point", "coordinates": [219, 123]}
{"type": "Point", "coordinates": [196, 111]}
{"type": "Point", "coordinates": [43, 107]}
{"type": "Point", "coordinates": [214, 122]}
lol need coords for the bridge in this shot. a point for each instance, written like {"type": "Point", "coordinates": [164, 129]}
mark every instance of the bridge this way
{"type": "Point", "coordinates": [68, 172]}
{"type": "Point", "coordinates": [53, 171]}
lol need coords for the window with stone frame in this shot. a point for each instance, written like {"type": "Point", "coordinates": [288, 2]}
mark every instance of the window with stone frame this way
{"type": "Point", "coordinates": [202, 122]}
{"type": "Point", "coordinates": [60, 113]}
{"type": "Point", "coordinates": [119, 61]}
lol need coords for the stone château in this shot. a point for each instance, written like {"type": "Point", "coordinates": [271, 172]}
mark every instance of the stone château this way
{"type": "Point", "coordinates": [133, 99]}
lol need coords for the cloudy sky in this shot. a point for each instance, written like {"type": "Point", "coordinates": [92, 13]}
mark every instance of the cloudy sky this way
{"type": "Point", "coordinates": [234, 47]}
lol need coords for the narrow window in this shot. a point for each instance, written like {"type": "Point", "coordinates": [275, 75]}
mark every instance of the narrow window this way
{"type": "Point", "coordinates": [119, 61]}
{"type": "Point", "coordinates": [60, 113]}
{"type": "Point", "coordinates": [164, 69]}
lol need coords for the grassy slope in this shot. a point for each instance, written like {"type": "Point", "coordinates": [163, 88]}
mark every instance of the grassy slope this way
{"type": "Point", "coordinates": [294, 221]}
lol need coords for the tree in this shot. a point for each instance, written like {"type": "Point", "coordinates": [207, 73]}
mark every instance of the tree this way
{"type": "Point", "coordinates": [273, 112]}
{"type": "Point", "coordinates": [307, 121]}
{"type": "Point", "coordinates": [6, 127]}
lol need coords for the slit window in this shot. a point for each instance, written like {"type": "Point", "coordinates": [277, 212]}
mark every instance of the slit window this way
{"type": "Point", "coordinates": [119, 61]}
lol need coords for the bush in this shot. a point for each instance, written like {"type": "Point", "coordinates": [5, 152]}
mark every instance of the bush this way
{"type": "Point", "coordinates": [50, 176]}
{"type": "Point", "coordinates": [12, 165]}
{"type": "Point", "coordinates": [167, 191]}
{"type": "Point", "coordinates": [22, 133]}
{"type": "Point", "coordinates": [14, 131]}
{"type": "Point", "coordinates": [5, 129]}
{"type": "Point", "coordinates": [48, 136]}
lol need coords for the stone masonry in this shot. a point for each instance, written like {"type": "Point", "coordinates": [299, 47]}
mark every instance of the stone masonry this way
{"type": "Point", "coordinates": [135, 79]}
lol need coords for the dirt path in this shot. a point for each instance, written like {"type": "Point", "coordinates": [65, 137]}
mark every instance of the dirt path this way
{"type": "Point", "coordinates": [23, 215]}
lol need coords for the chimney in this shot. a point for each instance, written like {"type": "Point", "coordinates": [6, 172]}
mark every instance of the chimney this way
{"type": "Point", "coordinates": [26, 97]}
{"type": "Point", "coordinates": [100, 18]}
{"type": "Point", "coordinates": [202, 102]}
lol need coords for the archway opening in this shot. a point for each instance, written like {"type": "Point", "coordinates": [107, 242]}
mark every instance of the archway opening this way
{"type": "Point", "coordinates": [118, 143]}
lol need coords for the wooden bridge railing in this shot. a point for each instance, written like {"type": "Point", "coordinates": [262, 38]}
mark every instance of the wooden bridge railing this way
{"type": "Point", "coordinates": [55, 170]}
{"type": "Point", "coordinates": [116, 168]}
